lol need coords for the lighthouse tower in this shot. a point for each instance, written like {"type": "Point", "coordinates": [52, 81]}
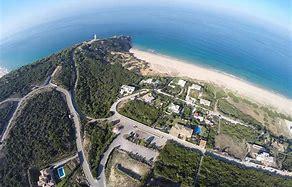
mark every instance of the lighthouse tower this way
{"type": "Point", "coordinates": [94, 37]}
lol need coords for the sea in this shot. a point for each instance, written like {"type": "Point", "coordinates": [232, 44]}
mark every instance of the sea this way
{"type": "Point", "coordinates": [253, 51]}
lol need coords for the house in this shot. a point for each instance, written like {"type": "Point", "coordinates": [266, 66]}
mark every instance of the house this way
{"type": "Point", "coordinates": [256, 149]}
{"type": "Point", "coordinates": [196, 87]}
{"type": "Point", "coordinates": [198, 116]}
{"type": "Point", "coordinates": [45, 179]}
{"type": "Point", "coordinates": [147, 81]}
{"type": "Point", "coordinates": [174, 108]}
{"type": "Point", "coordinates": [147, 98]}
{"type": "Point", "coordinates": [190, 101]}
{"type": "Point", "coordinates": [127, 90]}
{"type": "Point", "coordinates": [205, 102]}
{"type": "Point", "coordinates": [202, 144]}
{"type": "Point", "coordinates": [181, 83]}
{"type": "Point", "coordinates": [181, 131]}
{"type": "Point", "coordinates": [266, 159]}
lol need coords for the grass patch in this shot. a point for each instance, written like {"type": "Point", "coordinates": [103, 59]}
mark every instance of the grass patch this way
{"type": "Point", "coordinates": [140, 111]}
{"type": "Point", "coordinates": [177, 163]}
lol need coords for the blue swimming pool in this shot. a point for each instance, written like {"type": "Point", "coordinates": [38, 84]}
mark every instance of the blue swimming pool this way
{"type": "Point", "coordinates": [61, 172]}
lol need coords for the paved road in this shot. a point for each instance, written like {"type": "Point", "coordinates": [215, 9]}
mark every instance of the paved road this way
{"type": "Point", "coordinates": [64, 161]}
{"type": "Point", "coordinates": [10, 100]}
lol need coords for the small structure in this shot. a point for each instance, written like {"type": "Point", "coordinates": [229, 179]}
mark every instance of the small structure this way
{"type": "Point", "coordinates": [174, 108]}
{"type": "Point", "coordinates": [203, 144]}
{"type": "Point", "coordinates": [198, 116]}
{"type": "Point", "coordinates": [266, 159]}
{"type": "Point", "coordinates": [61, 172]}
{"type": "Point", "coordinates": [127, 90]}
{"type": "Point", "coordinates": [45, 179]}
{"type": "Point", "coordinates": [205, 102]}
{"type": "Point", "coordinates": [147, 98]}
{"type": "Point", "coordinates": [181, 131]}
{"type": "Point", "coordinates": [256, 149]}
{"type": "Point", "coordinates": [190, 100]}
{"type": "Point", "coordinates": [147, 81]}
{"type": "Point", "coordinates": [94, 37]}
{"type": "Point", "coordinates": [196, 87]}
{"type": "Point", "coordinates": [181, 83]}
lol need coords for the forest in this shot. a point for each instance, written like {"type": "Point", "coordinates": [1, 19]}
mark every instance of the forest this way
{"type": "Point", "coordinates": [42, 134]}
{"type": "Point", "coordinates": [99, 80]}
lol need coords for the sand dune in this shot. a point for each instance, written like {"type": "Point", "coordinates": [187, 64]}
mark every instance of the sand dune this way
{"type": "Point", "coordinates": [171, 66]}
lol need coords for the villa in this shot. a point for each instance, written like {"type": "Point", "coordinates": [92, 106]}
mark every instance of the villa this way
{"type": "Point", "coordinates": [181, 83]}
{"type": "Point", "coordinates": [174, 108]}
{"type": "Point", "coordinates": [147, 98]}
{"type": "Point", "coordinates": [266, 159]}
{"type": "Point", "coordinates": [45, 179]}
{"type": "Point", "coordinates": [196, 87]}
{"type": "Point", "coordinates": [205, 102]}
{"type": "Point", "coordinates": [127, 90]}
{"type": "Point", "coordinates": [181, 131]}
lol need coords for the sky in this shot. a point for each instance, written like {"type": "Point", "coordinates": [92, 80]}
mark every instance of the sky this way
{"type": "Point", "coordinates": [17, 15]}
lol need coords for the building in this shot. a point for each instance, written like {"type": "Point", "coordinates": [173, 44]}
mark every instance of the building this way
{"type": "Point", "coordinates": [203, 144]}
{"type": "Point", "coordinates": [198, 116]}
{"type": "Point", "coordinates": [190, 100]}
{"type": "Point", "coordinates": [205, 102]}
{"type": "Point", "coordinates": [266, 159]}
{"type": "Point", "coordinates": [174, 108]}
{"type": "Point", "coordinates": [196, 87]}
{"type": "Point", "coordinates": [181, 83]}
{"type": "Point", "coordinates": [181, 131]}
{"type": "Point", "coordinates": [127, 90]}
{"type": "Point", "coordinates": [147, 98]}
{"type": "Point", "coordinates": [45, 179]}
{"type": "Point", "coordinates": [147, 81]}
{"type": "Point", "coordinates": [255, 150]}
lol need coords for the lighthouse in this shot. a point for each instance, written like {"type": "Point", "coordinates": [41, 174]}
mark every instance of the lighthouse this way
{"type": "Point", "coordinates": [94, 37]}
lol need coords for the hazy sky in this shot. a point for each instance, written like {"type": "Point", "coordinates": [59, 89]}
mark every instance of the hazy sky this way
{"type": "Point", "coordinates": [16, 15]}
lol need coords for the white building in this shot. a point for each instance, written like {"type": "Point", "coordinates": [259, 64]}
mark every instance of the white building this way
{"type": "Point", "coordinates": [147, 81]}
{"type": "Point", "coordinates": [181, 83]}
{"type": "Point", "coordinates": [147, 98]}
{"type": "Point", "coordinates": [174, 108]}
{"type": "Point", "coordinates": [266, 159]}
{"type": "Point", "coordinates": [127, 90]}
{"type": "Point", "coordinates": [196, 87]}
{"type": "Point", "coordinates": [190, 100]}
{"type": "Point", "coordinates": [45, 179]}
{"type": "Point", "coordinates": [205, 102]}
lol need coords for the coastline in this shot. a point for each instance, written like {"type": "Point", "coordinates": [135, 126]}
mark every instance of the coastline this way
{"type": "Point", "coordinates": [166, 65]}
{"type": "Point", "coordinates": [3, 71]}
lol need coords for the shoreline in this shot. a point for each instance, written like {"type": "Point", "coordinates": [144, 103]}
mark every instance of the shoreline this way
{"type": "Point", "coordinates": [166, 65]}
{"type": "Point", "coordinates": [3, 72]}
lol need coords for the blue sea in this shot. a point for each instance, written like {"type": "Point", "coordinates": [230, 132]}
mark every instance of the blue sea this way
{"type": "Point", "coordinates": [252, 51]}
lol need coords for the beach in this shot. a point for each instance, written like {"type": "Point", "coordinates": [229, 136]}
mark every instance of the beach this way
{"type": "Point", "coordinates": [3, 72]}
{"type": "Point", "coordinates": [165, 65]}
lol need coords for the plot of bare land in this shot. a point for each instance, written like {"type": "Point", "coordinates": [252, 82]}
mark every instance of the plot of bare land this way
{"type": "Point", "coordinates": [122, 170]}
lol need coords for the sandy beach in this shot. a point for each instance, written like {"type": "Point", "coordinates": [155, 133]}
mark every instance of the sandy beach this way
{"type": "Point", "coordinates": [170, 66]}
{"type": "Point", "coordinates": [3, 72]}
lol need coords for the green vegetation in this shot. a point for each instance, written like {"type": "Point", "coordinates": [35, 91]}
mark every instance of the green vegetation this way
{"type": "Point", "coordinates": [101, 137]}
{"type": "Point", "coordinates": [228, 109]}
{"type": "Point", "coordinates": [19, 82]}
{"type": "Point", "coordinates": [238, 132]}
{"type": "Point", "coordinates": [65, 77]}
{"type": "Point", "coordinates": [6, 110]}
{"type": "Point", "coordinates": [177, 163]}
{"type": "Point", "coordinates": [287, 163]}
{"type": "Point", "coordinates": [214, 172]}
{"type": "Point", "coordinates": [140, 111]}
{"type": "Point", "coordinates": [99, 81]}
{"type": "Point", "coordinates": [42, 134]}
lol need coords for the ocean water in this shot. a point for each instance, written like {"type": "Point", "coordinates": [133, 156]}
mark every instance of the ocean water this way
{"type": "Point", "coordinates": [254, 52]}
